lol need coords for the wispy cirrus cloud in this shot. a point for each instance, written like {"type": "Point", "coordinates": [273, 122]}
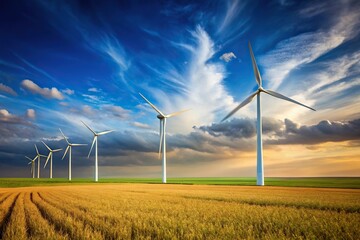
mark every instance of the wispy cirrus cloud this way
{"type": "Point", "coordinates": [70, 22]}
{"type": "Point", "coordinates": [304, 48]}
{"type": "Point", "coordinates": [39, 70]}
{"type": "Point", "coordinates": [202, 89]}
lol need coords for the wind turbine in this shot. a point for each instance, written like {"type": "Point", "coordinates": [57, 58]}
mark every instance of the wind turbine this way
{"type": "Point", "coordinates": [50, 156]}
{"type": "Point", "coordinates": [38, 156]}
{"type": "Point", "coordinates": [162, 117]}
{"type": "Point", "coordinates": [70, 145]}
{"type": "Point", "coordinates": [260, 166]}
{"type": "Point", "coordinates": [96, 148]}
{"type": "Point", "coordinates": [32, 162]}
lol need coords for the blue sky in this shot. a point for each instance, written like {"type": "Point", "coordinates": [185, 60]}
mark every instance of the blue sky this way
{"type": "Point", "coordinates": [62, 62]}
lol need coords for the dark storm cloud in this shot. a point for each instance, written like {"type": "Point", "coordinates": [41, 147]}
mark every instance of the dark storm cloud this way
{"type": "Point", "coordinates": [14, 126]}
{"type": "Point", "coordinates": [242, 128]}
{"type": "Point", "coordinates": [288, 132]}
{"type": "Point", "coordinates": [324, 131]}
{"type": "Point", "coordinates": [205, 143]}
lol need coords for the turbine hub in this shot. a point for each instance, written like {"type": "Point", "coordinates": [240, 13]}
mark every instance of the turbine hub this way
{"type": "Point", "coordinates": [160, 117]}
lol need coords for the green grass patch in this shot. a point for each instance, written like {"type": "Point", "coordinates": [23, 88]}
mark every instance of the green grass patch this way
{"type": "Point", "coordinates": [323, 182]}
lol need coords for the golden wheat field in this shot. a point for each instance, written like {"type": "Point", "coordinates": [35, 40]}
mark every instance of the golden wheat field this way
{"type": "Point", "coordinates": [154, 211]}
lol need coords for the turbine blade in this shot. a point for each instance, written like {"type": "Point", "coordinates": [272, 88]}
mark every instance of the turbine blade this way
{"type": "Point", "coordinates": [35, 158]}
{"type": "Point", "coordinates": [65, 152]}
{"type": "Point", "coordinates": [278, 95]}
{"type": "Point", "coordinates": [92, 145]}
{"type": "Point", "coordinates": [89, 128]}
{"type": "Point", "coordinates": [37, 151]}
{"type": "Point", "coordinates": [42, 155]}
{"type": "Point", "coordinates": [105, 132]}
{"type": "Point", "coordinates": [28, 158]}
{"type": "Point", "coordinates": [29, 162]}
{"type": "Point", "coordinates": [47, 159]}
{"type": "Point", "coordinates": [78, 144]}
{"type": "Point", "coordinates": [245, 102]}
{"type": "Point", "coordinates": [46, 145]}
{"type": "Point", "coordinates": [152, 105]}
{"type": "Point", "coordinates": [64, 136]}
{"type": "Point", "coordinates": [255, 67]}
{"type": "Point", "coordinates": [161, 138]}
{"type": "Point", "coordinates": [177, 113]}
{"type": "Point", "coordinates": [56, 150]}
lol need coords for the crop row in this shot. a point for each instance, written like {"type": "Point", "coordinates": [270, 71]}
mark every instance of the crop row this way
{"type": "Point", "coordinates": [153, 212]}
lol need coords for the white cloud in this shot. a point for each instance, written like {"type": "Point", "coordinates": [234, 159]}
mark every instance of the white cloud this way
{"type": "Point", "coordinates": [30, 113]}
{"type": "Point", "coordinates": [227, 57]}
{"type": "Point", "coordinates": [7, 89]}
{"type": "Point", "coordinates": [92, 98]}
{"type": "Point", "coordinates": [203, 90]}
{"type": "Point", "coordinates": [94, 89]}
{"type": "Point", "coordinates": [45, 92]}
{"type": "Point", "coordinates": [117, 111]}
{"type": "Point", "coordinates": [4, 113]}
{"type": "Point", "coordinates": [140, 125]}
{"type": "Point", "coordinates": [68, 91]}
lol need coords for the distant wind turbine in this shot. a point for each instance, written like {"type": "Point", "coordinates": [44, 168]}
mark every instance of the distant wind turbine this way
{"type": "Point", "coordinates": [70, 145]}
{"type": "Point", "coordinates": [95, 141]}
{"type": "Point", "coordinates": [162, 117]}
{"type": "Point", "coordinates": [260, 166]}
{"type": "Point", "coordinates": [50, 156]}
{"type": "Point", "coordinates": [38, 156]}
{"type": "Point", "coordinates": [32, 162]}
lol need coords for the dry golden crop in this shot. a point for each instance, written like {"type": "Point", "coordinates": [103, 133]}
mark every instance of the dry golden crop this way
{"type": "Point", "coordinates": [151, 211]}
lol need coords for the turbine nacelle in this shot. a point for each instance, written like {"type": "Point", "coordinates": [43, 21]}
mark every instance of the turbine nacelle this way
{"type": "Point", "coordinates": [160, 117]}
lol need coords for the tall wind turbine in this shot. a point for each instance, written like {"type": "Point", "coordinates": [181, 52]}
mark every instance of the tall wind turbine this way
{"type": "Point", "coordinates": [51, 151]}
{"type": "Point", "coordinates": [260, 166]}
{"type": "Point", "coordinates": [70, 145]}
{"type": "Point", "coordinates": [38, 156]}
{"type": "Point", "coordinates": [162, 117]}
{"type": "Point", "coordinates": [96, 148]}
{"type": "Point", "coordinates": [32, 162]}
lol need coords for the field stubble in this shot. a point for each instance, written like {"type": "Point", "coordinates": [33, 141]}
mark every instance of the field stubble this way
{"type": "Point", "coordinates": [142, 211]}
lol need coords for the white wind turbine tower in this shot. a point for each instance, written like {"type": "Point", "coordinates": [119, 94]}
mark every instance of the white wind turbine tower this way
{"type": "Point", "coordinates": [95, 141]}
{"type": "Point", "coordinates": [32, 162]}
{"type": "Point", "coordinates": [70, 145]}
{"type": "Point", "coordinates": [260, 166]}
{"type": "Point", "coordinates": [38, 156]}
{"type": "Point", "coordinates": [162, 117]}
{"type": "Point", "coordinates": [51, 151]}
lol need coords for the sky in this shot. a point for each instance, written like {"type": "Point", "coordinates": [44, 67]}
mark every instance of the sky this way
{"type": "Point", "coordinates": [63, 62]}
